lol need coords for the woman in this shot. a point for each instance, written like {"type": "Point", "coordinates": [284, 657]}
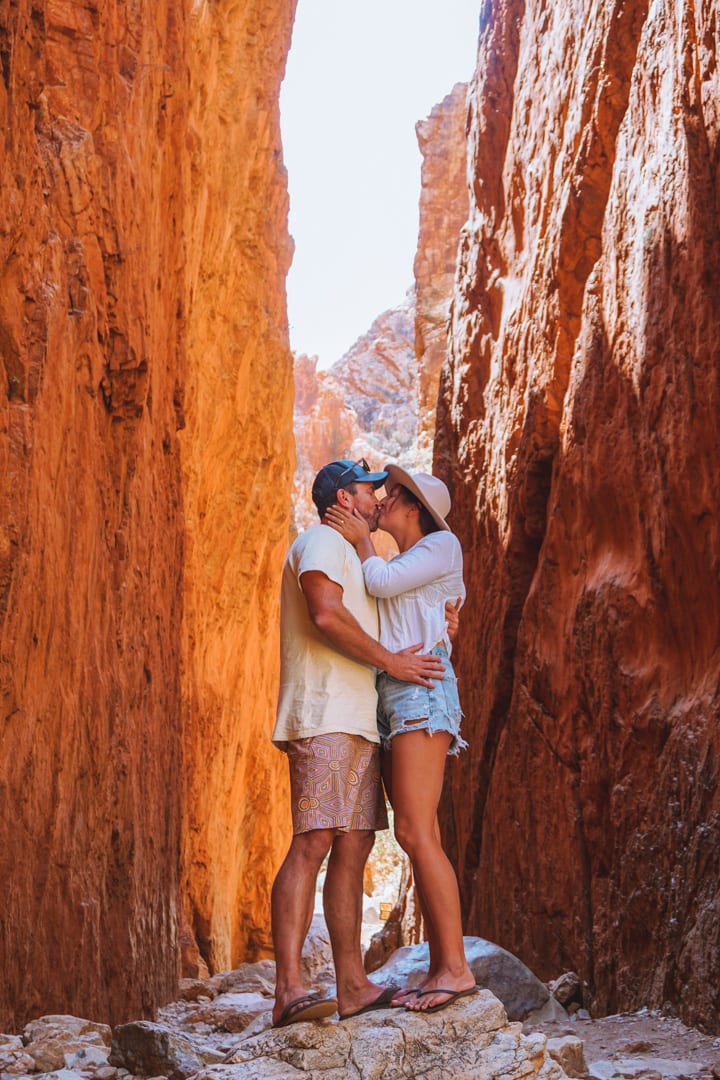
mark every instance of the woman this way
{"type": "Point", "coordinates": [419, 727]}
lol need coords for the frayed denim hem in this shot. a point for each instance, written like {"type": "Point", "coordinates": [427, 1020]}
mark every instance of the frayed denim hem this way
{"type": "Point", "coordinates": [425, 724]}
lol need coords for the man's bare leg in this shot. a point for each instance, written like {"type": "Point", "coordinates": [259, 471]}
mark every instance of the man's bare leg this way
{"type": "Point", "coordinates": [293, 895]}
{"type": "Point", "coordinates": [342, 901]}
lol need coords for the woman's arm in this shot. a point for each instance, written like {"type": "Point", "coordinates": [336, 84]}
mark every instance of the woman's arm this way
{"type": "Point", "coordinates": [329, 615]}
{"type": "Point", "coordinates": [420, 565]}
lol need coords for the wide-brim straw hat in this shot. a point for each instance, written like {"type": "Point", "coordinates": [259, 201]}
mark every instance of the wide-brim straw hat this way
{"type": "Point", "coordinates": [430, 490]}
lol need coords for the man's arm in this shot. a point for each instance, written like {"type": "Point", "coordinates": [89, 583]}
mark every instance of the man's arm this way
{"type": "Point", "coordinates": [324, 600]}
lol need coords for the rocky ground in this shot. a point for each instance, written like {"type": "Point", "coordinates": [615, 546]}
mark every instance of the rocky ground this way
{"type": "Point", "coordinates": [219, 1029]}
{"type": "Point", "coordinates": [644, 1044]}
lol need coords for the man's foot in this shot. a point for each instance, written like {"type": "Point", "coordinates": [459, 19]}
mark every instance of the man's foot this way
{"type": "Point", "coordinates": [369, 998]}
{"type": "Point", "coordinates": [306, 1006]}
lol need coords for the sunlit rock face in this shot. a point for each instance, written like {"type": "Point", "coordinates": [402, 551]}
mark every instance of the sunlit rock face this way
{"type": "Point", "coordinates": [364, 405]}
{"type": "Point", "coordinates": [579, 432]}
{"type": "Point", "coordinates": [443, 212]}
{"type": "Point", "coordinates": [91, 539]}
{"type": "Point", "coordinates": [238, 461]}
{"type": "Point", "coordinates": [142, 251]}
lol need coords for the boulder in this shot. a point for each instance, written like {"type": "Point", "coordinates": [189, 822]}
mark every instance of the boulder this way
{"type": "Point", "coordinates": [229, 1012]}
{"type": "Point", "coordinates": [470, 1040]}
{"type": "Point", "coordinates": [247, 978]}
{"type": "Point", "coordinates": [87, 1058]}
{"type": "Point", "coordinates": [52, 1041]}
{"type": "Point", "coordinates": [567, 988]}
{"type": "Point", "coordinates": [60, 1026]}
{"type": "Point", "coordinates": [15, 1062]}
{"type": "Point", "coordinates": [147, 1049]}
{"type": "Point", "coordinates": [569, 1053]}
{"type": "Point", "coordinates": [522, 994]}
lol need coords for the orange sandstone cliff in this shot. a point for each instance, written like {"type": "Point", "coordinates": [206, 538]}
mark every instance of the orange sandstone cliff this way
{"type": "Point", "coordinates": [579, 431]}
{"type": "Point", "coordinates": [238, 460]}
{"type": "Point", "coordinates": [143, 246]}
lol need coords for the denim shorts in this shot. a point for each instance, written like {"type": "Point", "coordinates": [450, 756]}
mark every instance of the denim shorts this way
{"type": "Point", "coordinates": [437, 709]}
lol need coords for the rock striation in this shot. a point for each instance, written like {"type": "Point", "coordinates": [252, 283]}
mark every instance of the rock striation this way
{"type": "Point", "coordinates": [143, 247]}
{"type": "Point", "coordinates": [92, 367]}
{"type": "Point", "coordinates": [443, 211]}
{"type": "Point", "coordinates": [578, 430]}
{"type": "Point", "coordinates": [238, 461]}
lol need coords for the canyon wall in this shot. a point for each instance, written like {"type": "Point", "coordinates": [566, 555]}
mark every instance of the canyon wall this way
{"type": "Point", "coordinates": [93, 364]}
{"type": "Point", "coordinates": [142, 251]}
{"type": "Point", "coordinates": [578, 430]}
{"type": "Point", "coordinates": [443, 211]}
{"type": "Point", "coordinates": [238, 460]}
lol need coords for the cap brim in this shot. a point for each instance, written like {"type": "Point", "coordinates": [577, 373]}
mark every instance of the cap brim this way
{"type": "Point", "coordinates": [396, 475]}
{"type": "Point", "coordinates": [377, 479]}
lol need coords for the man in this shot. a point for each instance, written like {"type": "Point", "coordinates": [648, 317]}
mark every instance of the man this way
{"type": "Point", "coordinates": [326, 723]}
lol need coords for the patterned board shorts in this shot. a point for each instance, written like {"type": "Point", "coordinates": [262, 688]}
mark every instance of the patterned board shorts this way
{"type": "Point", "coordinates": [335, 784]}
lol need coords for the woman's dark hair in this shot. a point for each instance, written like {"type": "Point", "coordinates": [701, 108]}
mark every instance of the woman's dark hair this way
{"type": "Point", "coordinates": [426, 521]}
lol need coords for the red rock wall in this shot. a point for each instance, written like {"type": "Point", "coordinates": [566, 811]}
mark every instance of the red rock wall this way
{"type": "Point", "coordinates": [579, 431]}
{"type": "Point", "coordinates": [143, 245]}
{"type": "Point", "coordinates": [238, 460]}
{"type": "Point", "coordinates": [91, 539]}
{"type": "Point", "coordinates": [443, 212]}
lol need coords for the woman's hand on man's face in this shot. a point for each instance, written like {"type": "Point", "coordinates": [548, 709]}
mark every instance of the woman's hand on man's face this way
{"type": "Point", "coordinates": [351, 526]}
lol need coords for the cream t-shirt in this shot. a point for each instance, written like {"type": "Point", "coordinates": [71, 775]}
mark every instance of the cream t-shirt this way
{"type": "Point", "coordinates": [321, 690]}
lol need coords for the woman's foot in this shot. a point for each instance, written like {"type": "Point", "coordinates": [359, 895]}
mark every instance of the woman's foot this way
{"type": "Point", "coordinates": [408, 993]}
{"type": "Point", "coordinates": [440, 989]}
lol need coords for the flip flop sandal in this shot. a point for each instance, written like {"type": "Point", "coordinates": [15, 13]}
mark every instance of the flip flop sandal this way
{"type": "Point", "coordinates": [381, 1002]}
{"type": "Point", "coordinates": [453, 996]}
{"type": "Point", "coordinates": [307, 1007]}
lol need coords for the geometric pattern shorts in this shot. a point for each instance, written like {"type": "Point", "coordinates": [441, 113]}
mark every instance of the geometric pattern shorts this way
{"type": "Point", "coordinates": [335, 784]}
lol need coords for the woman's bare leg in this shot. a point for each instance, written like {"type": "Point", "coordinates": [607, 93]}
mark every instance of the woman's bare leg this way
{"type": "Point", "coordinates": [418, 768]}
{"type": "Point", "coordinates": [404, 993]}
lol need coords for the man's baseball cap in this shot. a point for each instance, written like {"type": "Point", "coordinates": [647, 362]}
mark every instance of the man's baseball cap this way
{"type": "Point", "coordinates": [341, 473]}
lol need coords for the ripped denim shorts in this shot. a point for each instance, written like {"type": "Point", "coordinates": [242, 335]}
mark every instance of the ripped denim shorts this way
{"type": "Point", "coordinates": [436, 710]}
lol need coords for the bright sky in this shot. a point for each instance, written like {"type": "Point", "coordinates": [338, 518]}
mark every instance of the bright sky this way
{"type": "Point", "coordinates": [359, 76]}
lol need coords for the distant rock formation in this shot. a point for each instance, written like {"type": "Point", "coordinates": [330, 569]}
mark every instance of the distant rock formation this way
{"type": "Point", "coordinates": [579, 433]}
{"type": "Point", "coordinates": [365, 405]}
{"type": "Point", "coordinates": [444, 207]}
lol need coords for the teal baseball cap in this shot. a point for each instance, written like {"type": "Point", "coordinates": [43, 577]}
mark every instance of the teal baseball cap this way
{"type": "Point", "coordinates": [341, 473]}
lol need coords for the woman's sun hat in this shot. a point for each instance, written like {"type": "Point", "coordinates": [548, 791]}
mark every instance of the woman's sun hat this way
{"type": "Point", "coordinates": [430, 490]}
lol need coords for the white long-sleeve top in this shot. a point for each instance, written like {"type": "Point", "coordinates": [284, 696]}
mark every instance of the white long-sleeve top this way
{"type": "Point", "coordinates": [412, 589]}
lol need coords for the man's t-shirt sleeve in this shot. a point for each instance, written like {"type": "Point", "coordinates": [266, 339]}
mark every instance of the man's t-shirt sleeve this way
{"type": "Point", "coordinates": [321, 549]}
